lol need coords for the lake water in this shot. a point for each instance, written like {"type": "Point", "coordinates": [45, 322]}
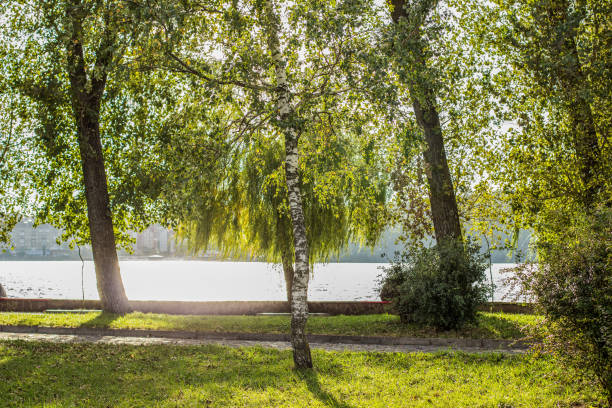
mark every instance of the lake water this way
{"type": "Point", "coordinates": [196, 280]}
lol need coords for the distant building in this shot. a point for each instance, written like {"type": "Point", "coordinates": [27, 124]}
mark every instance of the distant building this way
{"type": "Point", "coordinates": [155, 240]}
{"type": "Point", "coordinates": [39, 241]}
{"type": "Point", "coordinates": [30, 242]}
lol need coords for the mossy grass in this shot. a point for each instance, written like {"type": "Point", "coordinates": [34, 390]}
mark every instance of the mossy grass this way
{"type": "Point", "coordinates": [487, 325]}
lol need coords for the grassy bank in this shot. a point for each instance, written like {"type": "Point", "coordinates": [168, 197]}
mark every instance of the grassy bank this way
{"type": "Point", "coordinates": [99, 375]}
{"type": "Point", "coordinates": [488, 325]}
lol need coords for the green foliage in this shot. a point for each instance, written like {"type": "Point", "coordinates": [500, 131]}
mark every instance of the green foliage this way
{"type": "Point", "coordinates": [14, 160]}
{"type": "Point", "coordinates": [440, 286]}
{"type": "Point", "coordinates": [436, 48]}
{"type": "Point", "coordinates": [548, 85]}
{"type": "Point", "coordinates": [226, 159]}
{"type": "Point", "coordinates": [572, 286]}
{"type": "Point", "coordinates": [35, 48]}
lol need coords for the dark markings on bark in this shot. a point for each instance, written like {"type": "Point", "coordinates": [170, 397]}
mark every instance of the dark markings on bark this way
{"type": "Point", "coordinates": [299, 294]}
{"type": "Point", "coordinates": [288, 124]}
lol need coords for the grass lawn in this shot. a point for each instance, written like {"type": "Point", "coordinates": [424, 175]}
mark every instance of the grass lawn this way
{"type": "Point", "coordinates": [488, 325]}
{"type": "Point", "coordinates": [101, 375]}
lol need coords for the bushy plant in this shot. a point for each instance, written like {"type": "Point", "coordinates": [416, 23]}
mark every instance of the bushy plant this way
{"type": "Point", "coordinates": [441, 286]}
{"type": "Point", "coordinates": [572, 288]}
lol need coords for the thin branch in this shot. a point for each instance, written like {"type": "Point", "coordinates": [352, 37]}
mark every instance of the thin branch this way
{"type": "Point", "coordinates": [10, 134]}
{"type": "Point", "coordinates": [191, 70]}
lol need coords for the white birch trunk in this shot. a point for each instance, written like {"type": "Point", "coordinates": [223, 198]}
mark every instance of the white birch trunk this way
{"type": "Point", "coordinates": [288, 125]}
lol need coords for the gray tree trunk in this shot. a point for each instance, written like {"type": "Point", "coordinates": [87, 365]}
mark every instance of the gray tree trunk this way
{"type": "Point", "coordinates": [588, 152]}
{"type": "Point", "coordinates": [288, 271]}
{"type": "Point", "coordinates": [444, 212]}
{"type": "Point", "coordinates": [86, 99]}
{"type": "Point", "coordinates": [2, 291]}
{"type": "Point", "coordinates": [288, 124]}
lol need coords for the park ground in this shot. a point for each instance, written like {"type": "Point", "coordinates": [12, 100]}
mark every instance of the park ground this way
{"type": "Point", "coordinates": [48, 374]}
{"type": "Point", "coordinates": [487, 326]}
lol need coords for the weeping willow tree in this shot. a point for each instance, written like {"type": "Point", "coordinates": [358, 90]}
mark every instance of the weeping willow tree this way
{"type": "Point", "coordinates": [237, 203]}
{"type": "Point", "coordinates": [246, 213]}
{"type": "Point", "coordinates": [278, 154]}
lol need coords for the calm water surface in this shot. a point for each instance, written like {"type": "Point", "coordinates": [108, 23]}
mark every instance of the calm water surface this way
{"type": "Point", "coordinates": [196, 280]}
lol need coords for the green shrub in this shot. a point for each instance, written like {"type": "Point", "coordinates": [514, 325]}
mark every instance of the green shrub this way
{"type": "Point", "coordinates": [572, 287]}
{"type": "Point", "coordinates": [440, 286]}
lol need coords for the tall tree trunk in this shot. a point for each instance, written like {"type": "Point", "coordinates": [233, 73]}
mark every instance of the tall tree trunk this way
{"type": "Point", "coordinates": [2, 291]}
{"type": "Point", "coordinates": [288, 125]}
{"type": "Point", "coordinates": [86, 99]}
{"type": "Point", "coordinates": [588, 152]}
{"type": "Point", "coordinates": [283, 238]}
{"type": "Point", "coordinates": [444, 212]}
{"type": "Point", "coordinates": [108, 275]}
{"type": "Point", "coordinates": [288, 271]}
{"type": "Point", "coordinates": [299, 290]}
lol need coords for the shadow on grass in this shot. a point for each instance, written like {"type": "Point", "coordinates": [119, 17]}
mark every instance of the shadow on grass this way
{"type": "Point", "coordinates": [494, 326]}
{"type": "Point", "coordinates": [311, 378]}
{"type": "Point", "coordinates": [102, 320]}
{"type": "Point", "coordinates": [102, 375]}
{"type": "Point", "coordinates": [486, 326]}
{"type": "Point", "coordinates": [109, 375]}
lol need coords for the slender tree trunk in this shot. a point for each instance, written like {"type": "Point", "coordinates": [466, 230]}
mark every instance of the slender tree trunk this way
{"type": "Point", "coordinates": [86, 99]}
{"type": "Point", "coordinates": [288, 124]}
{"type": "Point", "coordinates": [288, 272]}
{"type": "Point", "coordinates": [283, 238]}
{"type": "Point", "coordinates": [2, 291]}
{"type": "Point", "coordinates": [299, 290]}
{"type": "Point", "coordinates": [444, 212]}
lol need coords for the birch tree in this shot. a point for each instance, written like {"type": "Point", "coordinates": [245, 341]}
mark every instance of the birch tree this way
{"type": "Point", "coordinates": [284, 71]}
{"type": "Point", "coordinates": [288, 123]}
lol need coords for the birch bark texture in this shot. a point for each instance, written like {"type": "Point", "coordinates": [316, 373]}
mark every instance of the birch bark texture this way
{"type": "Point", "coordinates": [288, 124]}
{"type": "Point", "coordinates": [86, 96]}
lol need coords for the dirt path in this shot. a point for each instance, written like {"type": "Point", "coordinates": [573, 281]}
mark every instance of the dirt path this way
{"type": "Point", "coordinates": [279, 345]}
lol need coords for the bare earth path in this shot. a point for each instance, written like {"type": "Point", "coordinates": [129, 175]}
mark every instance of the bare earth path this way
{"type": "Point", "coordinates": [280, 345]}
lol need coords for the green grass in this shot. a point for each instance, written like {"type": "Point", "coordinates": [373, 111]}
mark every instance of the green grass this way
{"type": "Point", "coordinates": [100, 375]}
{"type": "Point", "coordinates": [488, 325]}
